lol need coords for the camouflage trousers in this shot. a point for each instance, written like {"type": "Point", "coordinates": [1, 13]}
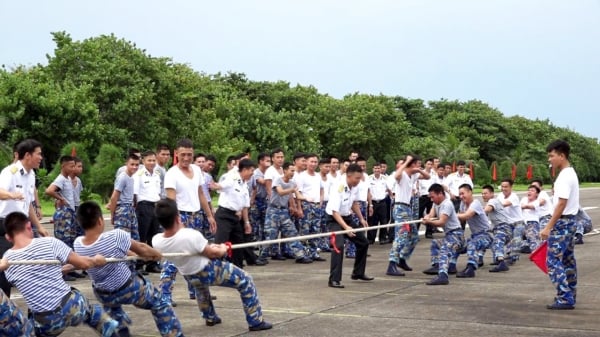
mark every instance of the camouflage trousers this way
{"type": "Point", "coordinates": [225, 274]}
{"type": "Point", "coordinates": [502, 236]}
{"type": "Point", "coordinates": [477, 245]}
{"type": "Point", "coordinates": [517, 239]}
{"type": "Point", "coordinates": [407, 235]}
{"type": "Point", "coordinates": [445, 251]}
{"type": "Point", "coordinates": [278, 221]}
{"type": "Point", "coordinates": [584, 222]}
{"type": "Point", "coordinates": [74, 310]}
{"type": "Point", "coordinates": [65, 225]}
{"type": "Point", "coordinates": [532, 234]}
{"type": "Point", "coordinates": [311, 224]}
{"type": "Point", "coordinates": [12, 320]}
{"type": "Point", "coordinates": [168, 274]}
{"type": "Point", "coordinates": [140, 292]}
{"type": "Point", "coordinates": [560, 260]}
{"type": "Point", "coordinates": [350, 247]}
{"type": "Point", "coordinates": [126, 220]}
{"type": "Point", "coordinates": [258, 214]}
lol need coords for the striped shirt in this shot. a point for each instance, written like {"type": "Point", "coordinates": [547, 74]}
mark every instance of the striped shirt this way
{"type": "Point", "coordinates": [42, 286]}
{"type": "Point", "coordinates": [114, 243]}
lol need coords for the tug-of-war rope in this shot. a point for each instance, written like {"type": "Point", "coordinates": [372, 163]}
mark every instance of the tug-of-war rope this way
{"type": "Point", "coordinates": [231, 246]}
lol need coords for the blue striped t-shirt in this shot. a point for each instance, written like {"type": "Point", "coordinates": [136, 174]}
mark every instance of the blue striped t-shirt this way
{"type": "Point", "coordinates": [42, 286]}
{"type": "Point", "coordinates": [114, 243]}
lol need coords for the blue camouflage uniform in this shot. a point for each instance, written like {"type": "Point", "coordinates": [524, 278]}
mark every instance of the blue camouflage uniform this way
{"type": "Point", "coordinates": [481, 238]}
{"type": "Point", "coordinates": [445, 251]}
{"type": "Point", "coordinates": [65, 224]}
{"type": "Point", "coordinates": [12, 320]}
{"type": "Point", "coordinates": [407, 235]}
{"type": "Point", "coordinates": [502, 230]}
{"type": "Point", "coordinates": [124, 217]}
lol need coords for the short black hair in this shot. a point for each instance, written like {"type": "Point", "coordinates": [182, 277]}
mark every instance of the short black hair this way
{"type": "Point", "coordinates": [461, 163]}
{"type": "Point", "coordinates": [466, 186]}
{"type": "Point", "coordinates": [27, 146]}
{"type": "Point", "coordinates": [436, 188]}
{"type": "Point", "coordinates": [558, 146]}
{"type": "Point", "coordinates": [198, 155]}
{"type": "Point", "coordinates": [185, 143]}
{"type": "Point", "coordinates": [162, 146]}
{"type": "Point", "coordinates": [212, 158]}
{"type": "Point", "coordinates": [148, 153]}
{"type": "Point", "coordinates": [311, 155]}
{"type": "Point", "coordinates": [353, 168]}
{"type": "Point", "coordinates": [537, 189]}
{"type": "Point", "coordinates": [133, 156]}
{"type": "Point", "coordinates": [539, 181]}
{"type": "Point", "coordinates": [488, 187]}
{"type": "Point", "coordinates": [298, 155]}
{"type": "Point", "coordinates": [276, 150]}
{"type": "Point", "coordinates": [325, 161]}
{"type": "Point", "coordinates": [166, 212]}
{"type": "Point", "coordinates": [263, 155]}
{"type": "Point", "coordinates": [66, 159]}
{"type": "Point", "coordinates": [507, 180]}
{"type": "Point", "coordinates": [14, 223]}
{"type": "Point", "coordinates": [77, 160]}
{"type": "Point", "coordinates": [360, 158]}
{"type": "Point", "coordinates": [88, 214]}
{"type": "Point", "coordinates": [286, 165]}
{"type": "Point", "coordinates": [246, 163]}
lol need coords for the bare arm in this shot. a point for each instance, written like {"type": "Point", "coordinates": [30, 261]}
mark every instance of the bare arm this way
{"type": "Point", "coordinates": [213, 251]}
{"type": "Point", "coordinates": [85, 262]}
{"type": "Point", "coordinates": [142, 249]}
{"type": "Point", "coordinates": [113, 205]}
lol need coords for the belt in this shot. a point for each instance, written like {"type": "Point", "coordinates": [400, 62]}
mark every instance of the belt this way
{"type": "Point", "coordinates": [568, 216]}
{"type": "Point", "coordinates": [454, 230]}
{"type": "Point", "coordinates": [40, 315]}
{"type": "Point", "coordinates": [377, 201]}
{"type": "Point", "coordinates": [124, 204]}
{"type": "Point", "coordinates": [311, 202]}
{"type": "Point", "coordinates": [124, 286]}
{"type": "Point", "coordinates": [187, 213]}
{"type": "Point", "coordinates": [146, 202]}
{"type": "Point", "coordinates": [225, 209]}
{"type": "Point", "coordinates": [278, 207]}
{"type": "Point", "coordinates": [402, 203]}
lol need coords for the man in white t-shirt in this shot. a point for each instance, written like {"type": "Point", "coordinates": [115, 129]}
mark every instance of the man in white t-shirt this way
{"type": "Point", "coordinates": [309, 185]}
{"type": "Point", "coordinates": [205, 267]}
{"type": "Point", "coordinates": [560, 230]}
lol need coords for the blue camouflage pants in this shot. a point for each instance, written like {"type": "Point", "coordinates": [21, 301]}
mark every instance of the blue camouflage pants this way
{"type": "Point", "coordinates": [168, 274]}
{"type": "Point", "coordinates": [350, 246]}
{"type": "Point", "coordinates": [445, 251]}
{"type": "Point", "coordinates": [74, 310]}
{"type": "Point", "coordinates": [311, 224]}
{"type": "Point", "coordinates": [257, 214]}
{"type": "Point", "coordinates": [560, 260]}
{"type": "Point", "coordinates": [65, 225]}
{"type": "Point", "coordinates": [197, 221]}
{"type": "Point", "coordinates": [517, 239]}
{"type": "Point", "coordinates": [140, 292]}
{"type": "Point", "coordinates": [532, 233]}
{"type": "Point", "coordinates": [502, 237]}
{"type": "Point", "coordinates": [477, 244]}
{"type": "Point", "coordinates": [584, 222]}
{"type": "Point", "coordinates": [277, 220]}
{"type": "Point", "coordinates": [126, 220]}
{"type": "Point", "coordinates": [407, 235]}
{"type": "Point", "coordinates": [225, 274]}
{"type": "Point", "coordinates": [12, 321]}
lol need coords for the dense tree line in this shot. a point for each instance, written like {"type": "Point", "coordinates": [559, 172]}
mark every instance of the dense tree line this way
{"type": "Point", "coordinates": [107, 91]}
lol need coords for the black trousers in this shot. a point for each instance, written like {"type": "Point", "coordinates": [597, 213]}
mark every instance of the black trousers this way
{"type": "Point", "coordinates": [147, 225]}
{"type": "Point", "coordinates": [381, 216]}
{"type": "Point", "coordinates": [229, 229]}
{"type": "Point", "coordinates": [4, 246]}
{"type": "Point", "coordinates": [337, 259]}
{"type": "Point", "coordinates": [425, 205]}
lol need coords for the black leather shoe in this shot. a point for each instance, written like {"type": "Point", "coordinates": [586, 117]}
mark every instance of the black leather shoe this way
{"type": "Point", "coordinates": [153, 269]}
{"type": "Point", "coordinates": [402, 264]}
{"type": "Point", "coordinates": [262, 326]}
{"type": "Point", "coordinates": [304, 260]}
{"type": "Point", "coordinates": [278, 258]}
{"type": "Point", "coordinates": [433, 270]}
{"type": "Point", "coordinates": [68, 278]}
{"type": "Point", "coordinates": [213, 322]}
{"type": "Point", "coordinates": [261, 262]}
{"type": "Point", "coordinates": [318, 258]}
{"type": "Point", "coordinates": [335, 284]}
{"type": "Point", "coordinates": [362, 277]}
{"type": "Point", "coordinates": [559, 306]}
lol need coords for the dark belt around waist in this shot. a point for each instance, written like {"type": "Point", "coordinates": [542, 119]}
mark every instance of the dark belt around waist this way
{"type": "Point", "coordinates": [146, 202]}
{"type": "Point", "coordinates": [278, 207]}
{"type": "Point", "coordinates": [226, 210]}
{"type": "Point", "coordinates": [454, 230]}
{"type": "Point", "coordinates": [187, 213]}
{"type": "Point", "coordinates": [39, 316]}
{"type": "Point", "coordinates": [402, 203]}
{"type": "Point", "coordinates": [568, 217]}
{"type": "Point", "coordinates": [311, 203]}
{"type": "Point", "coordinates": [123, 287]}
{"type": "Point", "coordinates": [124, 204]}
{"type": "Point", "coordinates": [377, 201]}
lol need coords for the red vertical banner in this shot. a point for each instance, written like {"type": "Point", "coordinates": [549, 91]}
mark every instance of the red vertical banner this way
{"type": "Point", "coordinates": [529, 172]}
{"type": "Point", "coordinates": [73, 152]}
{"type": "Point", "coordinates": [494, 173]}
{"type": "Point", "coordinates": [174, 158]}
{"type": "Point", "coordinates": [471, 171]}
{"type": "Point", "coordinates": [553, 172]}
{"type": "Point", "coordinates": [513, 172]}
{"type": "Point", "coordinates": [453, 166]}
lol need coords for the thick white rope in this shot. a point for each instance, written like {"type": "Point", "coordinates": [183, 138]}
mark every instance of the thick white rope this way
{"type": "Point", "coordinates": [234, 246]}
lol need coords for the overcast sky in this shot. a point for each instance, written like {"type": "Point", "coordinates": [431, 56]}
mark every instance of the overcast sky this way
{"type": "Point", "coordinates": [538, 59]}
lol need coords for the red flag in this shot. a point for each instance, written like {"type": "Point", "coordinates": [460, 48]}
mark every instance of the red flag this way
{"type": "Point", "coordinates": [494, 173]}
{"type": "Point", "coordinates": [471, 171]}
{"type": "Point", "coordinates": [513, 172]}
{"type": "Point", "coordinates": [529, 172]}
{"type": "Point", "coordinates": [453, 166]}
{"type": "Point", "coordinates": [539, 255]}
{"type": "Point", "coordinates": [73, 152]}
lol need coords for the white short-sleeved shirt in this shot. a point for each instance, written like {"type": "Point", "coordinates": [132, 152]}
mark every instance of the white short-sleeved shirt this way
{"type": "Point", "coordinates": [341, 198]}
{"type": "Point", "coordinates": [326, 185]}
{"type": "Point", "coordinates": [65, 189]}
{"type": "Point", "coordinates": [513, 211]}
{"type": "Point", "coordinates": [547, 208]}
{"type": "Point", "coordinates": [186, 240]}
{"type": "Point", "coordinates": [309, 185]}
{"type": "Point", "coordinates": [234, 192]}
{"type": "Point", "coordinates": [363, 188]}
{"type": "Point", "coordinates": [378, 187]}
{"type": "Point", "coordinates": [112, 244]}
{"type": "Point", "coordinates": [146, 185]}
{"type": "Point", "coordinates": [528, 213]}
{"type": "Point", "coordinates": [186, 189]}
{"type": "Point", "coordinates": [403, 188]}
{"type": "Point", "coordinates": [566, 186]}
{"type": "Point", "coordinates": [454, 180]}
{"type": "Point", "coordinates": [14, 178]}
{"type": "Point", "coordinates": [77, 189]}
{"type": "Point", "coordinates": [42, 286]}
